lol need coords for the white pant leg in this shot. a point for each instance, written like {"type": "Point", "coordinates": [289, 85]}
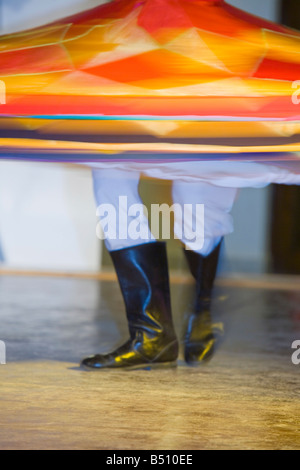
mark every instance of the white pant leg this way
{"type": "Point", "coordinates": [217, 201]}
{"type": "Point", "coordinates": [120, 208]}
{"type": "Point", "coordinates": [234, 174]}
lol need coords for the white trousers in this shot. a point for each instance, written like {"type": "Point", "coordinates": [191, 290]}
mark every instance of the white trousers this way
{"type": "Point", "coordinates": [209, 183]}
{"type": "Point", "coordinates": [119, 189]}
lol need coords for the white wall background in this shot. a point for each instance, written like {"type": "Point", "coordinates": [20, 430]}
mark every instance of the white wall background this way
{"type": "Point", "coordinates": [265, 8]}
{"type": "Point", "coordinates": [47, 212]}
{"type": "Point", "coordinates": [17, 15]}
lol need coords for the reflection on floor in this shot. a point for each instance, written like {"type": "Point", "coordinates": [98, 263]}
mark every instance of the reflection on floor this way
{"type": "Point", "coordinates": [247, 397]}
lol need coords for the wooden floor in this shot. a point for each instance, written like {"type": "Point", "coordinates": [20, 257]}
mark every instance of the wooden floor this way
{"type": "Point", "coordinates": [247, 397]}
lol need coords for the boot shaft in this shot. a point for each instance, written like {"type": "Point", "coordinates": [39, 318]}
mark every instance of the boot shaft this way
{"type": "Point", "coordinates": [204, 270]}
{"type": "Point", "coordinates": [144, 281]}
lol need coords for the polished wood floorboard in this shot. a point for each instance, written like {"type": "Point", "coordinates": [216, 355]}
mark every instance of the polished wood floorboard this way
{"type": "Point", "coordinates": [246, 397]}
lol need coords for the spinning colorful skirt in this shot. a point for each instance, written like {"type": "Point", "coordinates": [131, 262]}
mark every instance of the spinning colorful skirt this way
{"type": "Point", "coordinates": [161, 85]}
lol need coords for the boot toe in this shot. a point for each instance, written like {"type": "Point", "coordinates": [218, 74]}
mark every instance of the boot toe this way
{"type": "Point", "coordinates": [199, 353]}
{"type": "Point", "coordinates": [94, 362]}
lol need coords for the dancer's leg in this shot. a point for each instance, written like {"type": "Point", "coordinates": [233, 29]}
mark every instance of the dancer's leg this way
{"type": "Point", "coordinates": [202, 334]}
{"type": "Point", "coordinates": [142, 271]}
{"type": "Point", "coordinates": [117, 193]}
{"type": "Point", "coordinates": [217, 221]}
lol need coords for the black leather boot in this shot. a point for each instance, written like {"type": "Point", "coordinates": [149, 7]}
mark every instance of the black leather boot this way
{"type": "Point", "coordinates": [202, 335]}
{"type": "Point", "coordinates": [144, 280]}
